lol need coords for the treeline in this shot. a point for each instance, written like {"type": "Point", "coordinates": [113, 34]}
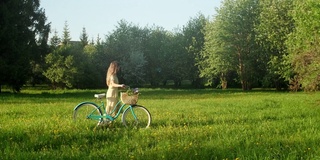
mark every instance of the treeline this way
{"type": "Point", "coordinates": [248, 43]}
{"type": "Point", "coordinates": [265, 43]}
{"type": "Point", "coordinates": [149, 55]}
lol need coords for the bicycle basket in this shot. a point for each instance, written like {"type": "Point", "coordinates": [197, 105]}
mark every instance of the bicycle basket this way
{"type": "Point", "coordinates": [129, 99]}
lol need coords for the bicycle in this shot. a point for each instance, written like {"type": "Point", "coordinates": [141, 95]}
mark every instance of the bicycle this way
{"type": "Point", "coordinates": [133, 116]}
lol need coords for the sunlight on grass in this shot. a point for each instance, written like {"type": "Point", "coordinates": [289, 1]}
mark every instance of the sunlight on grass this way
{"type": "Point", "coordinates": [187, 124]}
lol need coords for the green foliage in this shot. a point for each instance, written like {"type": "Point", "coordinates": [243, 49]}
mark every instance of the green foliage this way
{"type": "Point", "coordinates": [134, 68]}
{"type": "Point", "coordinates": [157, 53]}
{"type": "Point", "coordinates": [126, 45]}
{"type": "Point", "coordinates": [66, 34]}
{"type": "Point", "coordinates": [275, 24]}
{"type": "Point", "coordinates": [194, 35]}
{"type": "Point", "coordinates": [213, 62]}
{"type": "Point", "coordinates": [268, 43]}
{"type": "Point", "coordinates": [162, 54]}
{"type": "Point", "coordinates": [55, 41]}
{"type": "Point", "coordinates": [89, 49]}
{"type": "Point", "coordinates": [23, 38]}
{"type": "Point", "coordinates": [303, 44]}
{"type": "Point", "coordinates": [84, 37]}
{"type": "Point", "coordinates": [230, 43]}
{"type": "Point", "coordinates": [253, 43]}
{"type": "Point", "coordinates": [61, 69]}
{"type": "Point", "coordinates": [125, 39]}
{"type": "Point", "coordinates": [37, 124]}
{"type": "Point", "coordinates": [177, 59]}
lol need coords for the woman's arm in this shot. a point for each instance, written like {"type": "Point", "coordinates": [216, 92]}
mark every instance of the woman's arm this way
{"type": "Point", "coordinates": [113, 84]}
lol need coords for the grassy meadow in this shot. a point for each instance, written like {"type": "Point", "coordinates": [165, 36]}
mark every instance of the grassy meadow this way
{"type": "Point", "coordinates": [187, 124]}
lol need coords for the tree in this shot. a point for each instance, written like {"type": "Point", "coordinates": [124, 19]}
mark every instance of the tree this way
{"type": "Point", "coordinates": [275, 23]}
{"type": "Point", "coordinates": [213, 61]}
{"type": "Point", "coordinates": [304, 44]}
{"type": "Point", "coordinates": [89, 72]}
{"type": "Point", "coordinates": [98, 41]}
{"type": "Point", "coordinates": [157, 51]}
{"type": "Point", "coordinates": [234, 42]}
{"type": "Point", "coordinates": [66, 34]}
{"type": "Point", "coordinates": [84, 37]}
{"type": "Point", "coordinates": [134, 68]}
{"type": "Point", "coordinates": [55, 40]}
{"type": "Point", "coordinates": [61, 70]}
{"type": "Point", "coordinates": [177, 57]}
{"type": "Point", "coordinates": [23, 36]}
{"type": "Point", "coordinates": [126, 40]}
{"type": "Point", "coordinates": [120, 42]}
{"type": "Point", "coordinates": [194, 41]}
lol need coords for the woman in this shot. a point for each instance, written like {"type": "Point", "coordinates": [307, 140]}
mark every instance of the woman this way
{"type": "Point", "coordinates": [113, 85]}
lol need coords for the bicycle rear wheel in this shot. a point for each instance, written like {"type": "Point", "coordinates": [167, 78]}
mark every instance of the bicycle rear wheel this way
{"type": "Point", "coordinates": [136, 117]}
{"type": "Point", "coordinates": [87, 114]}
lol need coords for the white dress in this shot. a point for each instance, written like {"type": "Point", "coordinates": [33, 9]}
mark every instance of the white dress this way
{"type": "Point", "coordinates": [112, 96]}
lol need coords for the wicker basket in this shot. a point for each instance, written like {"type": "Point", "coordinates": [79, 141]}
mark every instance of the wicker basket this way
{"type": "Point", "coordinates": [126, 99]}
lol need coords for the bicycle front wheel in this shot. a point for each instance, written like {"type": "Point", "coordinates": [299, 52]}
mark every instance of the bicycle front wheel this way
{"type": "Point", "coordinates": [87, 114]}
{"type": "Point", "coordinates": [136, 117]}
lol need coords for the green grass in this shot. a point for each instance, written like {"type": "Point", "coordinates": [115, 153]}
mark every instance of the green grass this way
{"type": "Point", "coordinates": [187, 124]}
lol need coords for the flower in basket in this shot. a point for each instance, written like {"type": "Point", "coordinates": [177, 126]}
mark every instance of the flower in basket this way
{"type": "Point", "coordinates": [136, 91]}
{"type": "Point", "coordinates": [133, 91]}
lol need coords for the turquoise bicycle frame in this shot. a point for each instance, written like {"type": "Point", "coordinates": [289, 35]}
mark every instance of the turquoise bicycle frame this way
{"type": "Point", "coordinates": [101, 109]}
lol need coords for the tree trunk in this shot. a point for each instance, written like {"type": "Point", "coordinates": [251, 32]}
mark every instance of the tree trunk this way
{"type": "Point", "coordinates": [245, 82]}
{"type": "Point", "coordinates": [164, 83]}
{"type": "Point", "coordinates": [223, 81]}
{"type": "Point", "coordinates": [177, 83]}
{"type": "Point", "coordinates": [246, 85]}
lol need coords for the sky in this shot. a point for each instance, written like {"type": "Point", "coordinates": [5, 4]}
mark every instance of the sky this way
{"type": "Point", "coordinates": [101, 17]}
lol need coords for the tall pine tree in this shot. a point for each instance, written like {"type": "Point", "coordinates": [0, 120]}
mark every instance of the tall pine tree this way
{"type": "Point", "coordinates": [23, 36]}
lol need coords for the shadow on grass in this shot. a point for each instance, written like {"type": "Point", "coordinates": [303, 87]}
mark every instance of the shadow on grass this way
{"type": "Point", "coordinates": [145, 91]}
{"type": "Point", "coordinates": [77, 96]}
{"type": "Point", "coordinates": [81, 94]}
{"type": "Point", "coordinates": [159, 91]}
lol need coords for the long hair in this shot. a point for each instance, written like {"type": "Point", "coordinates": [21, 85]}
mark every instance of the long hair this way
{"type": "Point", "coordinates": [113, 68]}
